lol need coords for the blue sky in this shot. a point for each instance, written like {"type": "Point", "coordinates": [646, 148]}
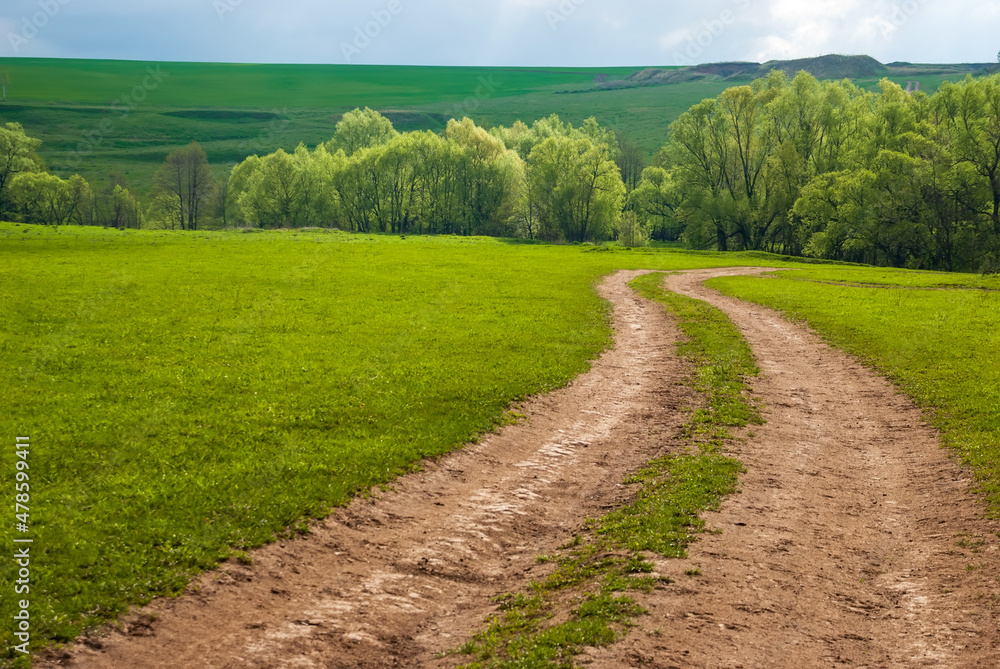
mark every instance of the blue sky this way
{"type": "Point", "coordinates": [578, 33]}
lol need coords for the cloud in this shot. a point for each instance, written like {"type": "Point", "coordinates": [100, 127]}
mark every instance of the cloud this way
{"type": "Point", "coordinates": [512, 32]}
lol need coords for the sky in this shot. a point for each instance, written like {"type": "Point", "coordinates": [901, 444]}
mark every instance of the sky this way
{"type": "Point", "coordinates": [563, 33]}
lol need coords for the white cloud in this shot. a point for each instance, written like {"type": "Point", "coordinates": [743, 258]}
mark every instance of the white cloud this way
{"type": "Point", "coordinates": [674, 39]}
{"type": "Point", "coordinates": [518, 32]}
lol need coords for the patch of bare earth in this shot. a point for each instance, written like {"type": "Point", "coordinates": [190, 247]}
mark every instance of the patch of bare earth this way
{"type": "Point", "coordinates": [396, 579]}
{"type": "Point", "coordinates": [854, 540]}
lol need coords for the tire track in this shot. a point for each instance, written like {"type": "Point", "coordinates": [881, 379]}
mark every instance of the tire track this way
{"type": "Point", "coordinates": [854, 541]}
{"type": "Point", "coordinates": [394, 580]}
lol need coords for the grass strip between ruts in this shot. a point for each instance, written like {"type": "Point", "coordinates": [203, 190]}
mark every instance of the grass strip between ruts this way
{"type": "Point", "coordinates": [588, 590]}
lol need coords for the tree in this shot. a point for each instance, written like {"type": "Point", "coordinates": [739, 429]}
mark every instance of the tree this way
{"type": "Point", "coordinates": [239, 179]}
{"type": "Point", "coordinates": [657, 201]}
{"type": "Point", "coordinates": [576, 187]}
{"type": "Point", "coordinates": [361, 129]}
{"type": "Point", "coordinates": [275, 194]}
{"type": "Point", "coordinates": [122, 209]}
{"type": "Point", "coordinates": [185, 182]}
{"type": "Point", "coordinates": [971, 113]}
{"type": "Point", "coordinates": [490, 179]}
{"type": "Point", "coordinates": [17, 155]}
{"type": "Point", "coordinates": [631, 232]}
{"type": "Point", "coordinates": [630, 161]}
{"type": "Point", "coordinates": [45, 199]}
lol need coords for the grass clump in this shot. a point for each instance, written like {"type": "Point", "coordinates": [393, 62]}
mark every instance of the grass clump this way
{"type": "Point", "coordinates": [584, 601]}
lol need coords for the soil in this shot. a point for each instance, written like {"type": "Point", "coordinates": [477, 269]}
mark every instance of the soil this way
{"type": "Point", "coordinates": [854, 540]}
{"type": "Point", "coordinates": [398, 578]}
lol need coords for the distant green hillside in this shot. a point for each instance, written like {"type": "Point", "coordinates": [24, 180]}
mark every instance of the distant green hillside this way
{"type": "Point", "coordinates": [102, 117]}
{"type": "Point", "coordinates": [101, 82]}
{"type": "Point", "coordinates": [860, 69]}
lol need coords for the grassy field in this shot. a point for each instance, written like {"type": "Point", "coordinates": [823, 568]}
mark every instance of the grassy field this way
{"type": "Point", "coordinates": [224, 85]}
{"type": "Point", "coordinates": [188, 395]}
{"type": "Point", "coordinates": [935, 335]}
{"type": "Point", "coordinates": [191, 394]}
{"type": "Point", "coordinates": [237, 110]}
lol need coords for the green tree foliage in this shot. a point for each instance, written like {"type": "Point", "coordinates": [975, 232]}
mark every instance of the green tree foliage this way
{"type": "Point", "coordinates": [491, 180]}
{"type": "Point", "coordinates": [523, 139]}
{"type": "Point", "coordinates": [830, 170]}
{"type": "Point", "coordinates": [120, 209]}
{"type": "Point", "coordinates": [17, 155]}
{"type": "Point", "coordinates": [631, 162]}
{"type": "Point", "coordinates": [657, 200]}
{"type": "Point", "coordinates": [631, 233]}
{"type": "Point", "coordinates": [285, 190]}
{"type": "Point", "coordinates": [576, 188]}
{"type": "Point", "coordinates": [361, 129]}
{"type": "Point", "coordinates": [465, 181]}
{"type": "Point", "coordinates": [43, 198]}
{"type": "Point", "coordinates": [970, 117]}
{"type": "Point", "coordinates": [184, 183]}
{"type": "Point", "coordinates": [551, 181]}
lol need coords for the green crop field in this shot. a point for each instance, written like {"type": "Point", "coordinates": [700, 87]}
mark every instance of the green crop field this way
{"type": "Point", "coordinates": [78, 107]}
{"type": "Point", "coordinates": [224, 85]}
{"type": "Point", "coordinates": [237, 110]}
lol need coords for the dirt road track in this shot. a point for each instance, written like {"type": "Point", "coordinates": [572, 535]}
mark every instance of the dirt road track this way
{"type": "Point", "coordinates": [853, 542]}
{"type": "Point", "coordinates": [395, 580]}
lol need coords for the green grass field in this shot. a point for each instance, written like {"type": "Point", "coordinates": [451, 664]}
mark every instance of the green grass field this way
{"type": "Point", "coordinates": [237, 110]}
{"type": "Point", "coordinates": [192, 394]}
{"type": "Point", "coordinates": [187, 394]}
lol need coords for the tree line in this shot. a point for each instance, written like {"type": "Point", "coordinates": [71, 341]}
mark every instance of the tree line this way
{"type": "Point", "coordinates": [550, 181]}
{"type": "Point", "coordinates": [31, 194]}
{"type": "Point", "coordinates": [830, 170]}
{"type": "Point", "coordinates": [793, 166]}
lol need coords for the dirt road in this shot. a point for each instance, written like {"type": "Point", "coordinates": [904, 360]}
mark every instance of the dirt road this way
{"type": "Point", "coordinates": [853, 541]}
{"type": "Point", "coordinates": [395, 580]}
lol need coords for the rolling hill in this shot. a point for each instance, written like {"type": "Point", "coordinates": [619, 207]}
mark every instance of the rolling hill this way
{"type": "Point", "coordinates": [103, 118]}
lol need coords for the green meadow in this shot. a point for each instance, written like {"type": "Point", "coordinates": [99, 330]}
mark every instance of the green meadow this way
{"type": "Point", "coordinates": [192, 395]}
